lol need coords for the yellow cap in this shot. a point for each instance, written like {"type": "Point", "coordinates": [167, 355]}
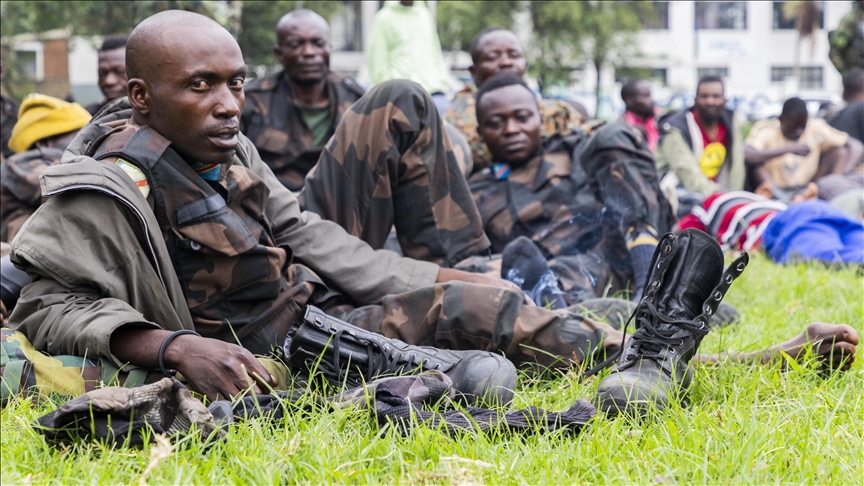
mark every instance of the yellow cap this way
{"type": "Point", "coordinates": [44, 116]}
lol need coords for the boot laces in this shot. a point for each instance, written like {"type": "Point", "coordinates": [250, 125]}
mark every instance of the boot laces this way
{"type": "Point", "coordinates": [380, 361]}
{"type": "Point", "coordinates": [652, 339]}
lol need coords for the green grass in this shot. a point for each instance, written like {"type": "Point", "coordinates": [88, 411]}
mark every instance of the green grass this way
{"type": "Point", "coordinates": [746, 424]}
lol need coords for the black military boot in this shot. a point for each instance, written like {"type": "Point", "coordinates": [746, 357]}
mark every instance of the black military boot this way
{"type": "Point", "coordinates": [683, 290]}
{"type": "Point", "coordinates": [349, 356]}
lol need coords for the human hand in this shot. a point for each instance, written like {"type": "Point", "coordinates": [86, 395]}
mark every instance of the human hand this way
{"type": "Point", "coordinates": [216, 369]}
{"type": "Point", "coordinates": [799, 148]}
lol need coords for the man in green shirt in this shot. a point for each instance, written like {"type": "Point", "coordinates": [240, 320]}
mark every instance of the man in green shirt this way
{"type": "Point", "coordinates": [289, 115]}
{"type": "Point", "coordinates": [404, 45]}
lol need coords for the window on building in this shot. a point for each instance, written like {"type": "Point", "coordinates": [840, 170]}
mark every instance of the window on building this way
{"type": "Point", "coordinates": [723, 72]}
{"type": "Point", "coordinates": [658, 19]}
{"type": "Point", "coordinates": [811, 77]}
{"type": "Point", "coordinates": [780, 22]}
{"type": "Point", "coordinates": [721, 15]}
{"type": "Point", "coordinates": [624, 74]}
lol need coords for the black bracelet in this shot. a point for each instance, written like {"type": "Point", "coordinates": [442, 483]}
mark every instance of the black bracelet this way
{"type": "Point", "coordinates": [164, 346]}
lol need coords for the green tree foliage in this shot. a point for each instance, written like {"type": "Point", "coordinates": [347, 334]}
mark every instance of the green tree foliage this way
{"type": "Point", "coordinates": [459, 22]}
{"type": "Point", "coordinates": [564, 34]}
{"type": "Point", "coordinates": [251, 22]}
{"type": "Point", "coordinates": [87, 18]}
{"type": "Point", "coordinates": [257, 33]}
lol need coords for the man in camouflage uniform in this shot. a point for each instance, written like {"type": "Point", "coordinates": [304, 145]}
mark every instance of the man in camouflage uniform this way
{"type": "Point", "coordinates": [8, 117]}
{"type": "Point", "coordinates": [197, 233]}
{"type": "Point", "coordinates": [592, 204]}
{"type": "Point", "coordinates": [289, 115]}
{"type": "Point", "coordinates": [847, 42]}
{"type": "Point", "coordinates": [498, 50]}
{"type": "Point", "coordinates": [391, 163]}
{"type": "Point", "coordinates": [46, 127]}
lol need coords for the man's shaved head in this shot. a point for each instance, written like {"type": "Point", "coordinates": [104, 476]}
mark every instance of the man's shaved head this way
{"type": "Point", "coordinates": [301, 15]}
{"type": "Point", "coordinates": [186, 77]}
{"type": "Point", "coordinates": [303, 47]}
{"type": "Point", "coordinates": [145, 47]}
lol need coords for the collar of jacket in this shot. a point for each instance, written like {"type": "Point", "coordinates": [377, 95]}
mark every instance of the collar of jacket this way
{"type": "Point", "coordinates": [677, 120]}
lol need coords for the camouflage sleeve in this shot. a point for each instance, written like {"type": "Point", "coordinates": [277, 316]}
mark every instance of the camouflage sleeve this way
{"type": "Point", "coordinates": [673, 155]}
{"type": "Point", "coordinates": [365, 274]}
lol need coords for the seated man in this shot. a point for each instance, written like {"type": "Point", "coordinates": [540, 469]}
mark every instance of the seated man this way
{"type": "Point", "coordinates": [784, 153]}
{"type": "Point", "coordinates": [577, 197]}
{"type": "Point", "coordinates": [193, 231]}
{"type": "Point", "coordinates": [290, 114]}
{"type": "Point", "coordinates": [640, 110]}
{"type": "Point", "coordinates": [46, 127]}
{"type": "Point", "coordinates": [112, 71]}
{"type": "Point", "coordinates": [497, 50]}
{"type": "Point", "coordinates": [701, 149]}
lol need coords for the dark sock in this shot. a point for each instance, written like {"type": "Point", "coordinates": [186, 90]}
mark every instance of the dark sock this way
{"type": "Point", "coordinates": [641, 255]}
{"type": "Point", "coordinates": [523, 264]}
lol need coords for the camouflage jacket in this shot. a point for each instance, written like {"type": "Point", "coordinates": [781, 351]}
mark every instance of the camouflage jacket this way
{"type": "Point", "coordinates": [127, 275]}
{"type": "Point", "coordinates": [8, 118]}
{"type": "Point", "coordinates": [847, 42]}
{"type": "Point", "coordinates": [558, 118]}
{"type": "Point", "coordinates": [577, 191]}
{"type": "Point", "coordinates": [20, 194]}
{"type": "Point", "coordinates": [547, 200]}
{"type": "Point", "coordinates": [274, 123]}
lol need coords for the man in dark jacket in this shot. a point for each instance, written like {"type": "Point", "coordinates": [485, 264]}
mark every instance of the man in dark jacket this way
{"type": "Point", "coordinates": [289, 115]}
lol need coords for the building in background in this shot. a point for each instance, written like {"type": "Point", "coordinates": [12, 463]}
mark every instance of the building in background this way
{"type": "Point", "coordinates": [750, 44]}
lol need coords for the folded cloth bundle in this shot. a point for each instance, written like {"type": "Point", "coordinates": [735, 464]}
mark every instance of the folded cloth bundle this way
{"type": "Point", "coordinates": [117, 415]}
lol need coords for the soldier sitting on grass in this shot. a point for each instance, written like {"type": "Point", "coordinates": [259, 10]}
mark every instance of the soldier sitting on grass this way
{"type": "Point", "coordinates": [165, 240]}
{"type": "Point", "coordinates": [290, 114]}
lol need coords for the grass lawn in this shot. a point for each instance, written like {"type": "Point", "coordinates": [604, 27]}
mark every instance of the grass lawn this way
{"type": "Point", "coordinates": [745, 424]}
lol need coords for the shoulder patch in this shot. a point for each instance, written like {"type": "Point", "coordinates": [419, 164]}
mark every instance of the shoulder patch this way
{"type": "Point", "coordinates": [137, 176]}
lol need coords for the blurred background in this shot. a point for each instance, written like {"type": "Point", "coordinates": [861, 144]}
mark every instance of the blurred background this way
{"type": "Point", "coordinates": [767, 51]}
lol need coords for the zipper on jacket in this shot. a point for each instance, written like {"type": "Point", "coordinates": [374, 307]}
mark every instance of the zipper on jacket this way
{"type": "Point", "coordinates": [127, 203]}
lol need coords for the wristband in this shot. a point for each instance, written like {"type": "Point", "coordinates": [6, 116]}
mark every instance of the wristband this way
{"type": "Point", "coordinates": [164, 346]}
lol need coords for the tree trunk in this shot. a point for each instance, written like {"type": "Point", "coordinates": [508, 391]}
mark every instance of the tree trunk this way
{"type": "Point", "coordinates": [598, 65]}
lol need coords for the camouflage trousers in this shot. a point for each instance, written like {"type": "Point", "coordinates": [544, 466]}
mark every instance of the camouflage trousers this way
{"type": "Point", "coordinates": [391, 163]}
{"type": "Point", "coordinates": [454, 315]}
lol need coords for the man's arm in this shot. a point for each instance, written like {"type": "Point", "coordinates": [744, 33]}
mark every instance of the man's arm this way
{"type": "Point", "coordinates": [674, 155]}
{"type": "Point", "coordinates": [102, 298]}
{"type": "Point", "coordinates": [855, 153]}
{"type": "Point", "coordinates": [211, 367]}
{"type": "Point", "coordinates": [753, 156]}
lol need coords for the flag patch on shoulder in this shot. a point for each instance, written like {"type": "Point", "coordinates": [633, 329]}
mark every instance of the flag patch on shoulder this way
{"type": "Point", "coordinates": [137, 176]}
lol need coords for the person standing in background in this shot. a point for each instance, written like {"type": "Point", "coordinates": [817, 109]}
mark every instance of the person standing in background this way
{"type": "Point", "coordinates": [404, 45]}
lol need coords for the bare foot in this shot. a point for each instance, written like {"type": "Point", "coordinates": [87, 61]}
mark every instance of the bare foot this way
{"type": "Point", "coordinates": [764, 190]}
{"type": "Point", "coordinates": [833, 344]}
{"type": "Point", "coordinates": [810, 191]}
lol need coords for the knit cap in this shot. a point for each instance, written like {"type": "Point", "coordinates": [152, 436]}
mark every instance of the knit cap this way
{"type": "Point", "coordinates": [44, 116]}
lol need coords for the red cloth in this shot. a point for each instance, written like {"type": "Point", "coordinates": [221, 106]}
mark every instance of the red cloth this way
{"type": "Point", "coordinates": [721, 133]}
{"type": "Point", "coordinates": [649, 125]}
